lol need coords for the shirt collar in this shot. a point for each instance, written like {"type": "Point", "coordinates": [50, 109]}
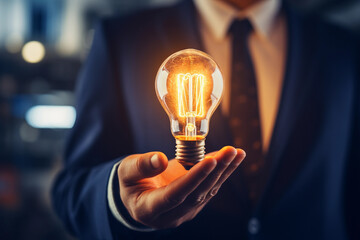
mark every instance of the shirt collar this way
{"type": "Point", "coordinates": [218, 15]}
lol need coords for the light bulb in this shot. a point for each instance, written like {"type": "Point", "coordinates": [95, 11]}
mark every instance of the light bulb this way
{"type": "Point", "coordinates": [189, 86]}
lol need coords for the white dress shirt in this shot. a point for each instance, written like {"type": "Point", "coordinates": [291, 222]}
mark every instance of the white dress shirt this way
{"type": "Point", "coordinates": [267, 45]}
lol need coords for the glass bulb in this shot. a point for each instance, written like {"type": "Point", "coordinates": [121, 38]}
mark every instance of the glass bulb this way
{"type": "Point", "coordinates": [189, 86]}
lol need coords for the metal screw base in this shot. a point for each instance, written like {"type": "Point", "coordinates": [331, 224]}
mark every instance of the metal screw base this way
{"type": "Point", "coordinates": [188, 153]}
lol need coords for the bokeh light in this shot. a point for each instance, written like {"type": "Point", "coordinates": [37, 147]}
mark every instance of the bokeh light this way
{"type": "Point", "coordinates": [33, 52]}
{"type": "Point", "coordinates": [46, 116]}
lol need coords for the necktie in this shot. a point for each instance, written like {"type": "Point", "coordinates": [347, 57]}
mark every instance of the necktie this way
{"type": "Point", "coordinates": [244, 109]}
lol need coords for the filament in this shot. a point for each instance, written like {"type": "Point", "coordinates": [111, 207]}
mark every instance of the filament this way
{"type": "Point", "coordinates": [190, 100]}
{"type": "Point", "coordinates": [191, 94]}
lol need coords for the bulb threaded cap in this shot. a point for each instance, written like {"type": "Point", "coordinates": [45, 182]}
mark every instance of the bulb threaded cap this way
{"type": "Point", "coordinates": [188, 153]}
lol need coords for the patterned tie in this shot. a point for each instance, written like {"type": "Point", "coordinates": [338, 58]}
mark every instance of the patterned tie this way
{"type": "Point", "coordinates": [244, 109]}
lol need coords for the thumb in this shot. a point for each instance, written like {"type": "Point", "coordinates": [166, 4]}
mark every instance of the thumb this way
{"type": "Point", "coordinates": [139, 166]}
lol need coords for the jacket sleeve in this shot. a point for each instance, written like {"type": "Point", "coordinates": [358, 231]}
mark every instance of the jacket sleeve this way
{"type": "Point", "coordinates": [100, 136]}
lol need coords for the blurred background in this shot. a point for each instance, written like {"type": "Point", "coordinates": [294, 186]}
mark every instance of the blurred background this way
{"type": "Point", "coordinates": [42, 46]}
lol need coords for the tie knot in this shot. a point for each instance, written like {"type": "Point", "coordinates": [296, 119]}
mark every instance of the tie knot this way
{"type": "Point", "coordinates": [240, 27]}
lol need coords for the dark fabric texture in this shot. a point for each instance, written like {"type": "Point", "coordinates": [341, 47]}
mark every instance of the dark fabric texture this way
{"type": "Point", "coordinates": [244, 118]}
{"type": "Point", "coordinates": [312, 191]}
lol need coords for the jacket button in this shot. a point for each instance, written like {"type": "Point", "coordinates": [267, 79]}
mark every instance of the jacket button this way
{"type": "Point", "coordinates": [253, 226]}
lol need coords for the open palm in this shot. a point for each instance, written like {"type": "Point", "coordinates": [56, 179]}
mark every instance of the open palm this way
{"type": "Point", "coordinates": [162, 194]}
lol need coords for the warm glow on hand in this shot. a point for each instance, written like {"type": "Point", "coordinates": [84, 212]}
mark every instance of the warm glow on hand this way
{"type": "Point", "coordinates": [162, 194]}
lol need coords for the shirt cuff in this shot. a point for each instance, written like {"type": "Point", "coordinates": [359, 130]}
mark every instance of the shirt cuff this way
{"type": "Point", "coordinates": [115, 210]}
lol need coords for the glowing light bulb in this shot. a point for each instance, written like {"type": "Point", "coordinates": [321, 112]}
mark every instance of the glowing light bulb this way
{"type": "Point", "coordinates": [189, 86]}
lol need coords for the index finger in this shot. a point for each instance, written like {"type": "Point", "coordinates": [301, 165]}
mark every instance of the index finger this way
{"type": "Point", "coordinates": [211, 154]}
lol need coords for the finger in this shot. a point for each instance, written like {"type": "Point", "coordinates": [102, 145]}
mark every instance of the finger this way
{"type": "Point", "coordinates": [211, 154]}
{"type": "Point", "coordinates": [233, 166]}
{"type": "Point", "coordinates": [140, 166]}
{"type": "Point", "coordinates": [224, 157]}
{"type": "Point", "coordinates": [240, 156]}
{"type": "Point", "coordinates": [176, 192]}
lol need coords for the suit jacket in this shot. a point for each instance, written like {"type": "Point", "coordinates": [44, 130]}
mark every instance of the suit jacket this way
{"type": "Point", "coordinates": [312, 191]}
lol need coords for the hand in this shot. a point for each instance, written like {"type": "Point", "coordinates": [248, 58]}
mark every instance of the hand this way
{"type": "Point", "coordinates": [162, 194]}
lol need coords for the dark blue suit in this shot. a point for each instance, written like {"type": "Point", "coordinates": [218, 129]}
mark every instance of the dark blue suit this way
{"type": "Point", "coordinates": [314, 185]}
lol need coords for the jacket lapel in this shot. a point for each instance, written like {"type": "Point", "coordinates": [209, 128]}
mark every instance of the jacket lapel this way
{"type": "Point", "coordinates": [287, 139]}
